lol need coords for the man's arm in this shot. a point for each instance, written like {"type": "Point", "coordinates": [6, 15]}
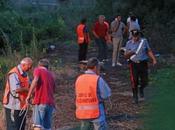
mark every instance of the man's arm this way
{"type": "Point", "coordinates": [151, 55]}
{"type": "Point", "coordinates": [93, 31]}
{"type": "Point", "coordinates": [21, 90]}
{"type": "Point", "coordinates": [128, 54]}
{"type": "Point", "coordinates": [33, 85]}
{"type": "Point", "coordinates": [86, 35]}
{"type": "Point", "coordinates": [125, 29]}
{"type": "Point", "coordinates": [15, 85]}
{"type": "Point", "coordinates": [104, 89]}
{"type": "Point", "coordinates": [95, 34]}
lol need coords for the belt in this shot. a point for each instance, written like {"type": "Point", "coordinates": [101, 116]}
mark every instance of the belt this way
{"type": "Point", "coordinates": [139, 61]}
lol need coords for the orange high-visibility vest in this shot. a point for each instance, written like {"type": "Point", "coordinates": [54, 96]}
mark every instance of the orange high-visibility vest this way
{"type": "Point", "coordinates": [80, 35]}
{"type": "Point", "coordinates": [87, 103]}
{"type": "Point", "coordinates": [24, 82]}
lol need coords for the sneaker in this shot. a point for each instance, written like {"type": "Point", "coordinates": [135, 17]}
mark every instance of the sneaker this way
{"type": "Point", "coordinates": [113, 64]}
{"type": "Point", "coordinates": [105, 60]}
{"type": "Point", "coordinates": [119, 64]}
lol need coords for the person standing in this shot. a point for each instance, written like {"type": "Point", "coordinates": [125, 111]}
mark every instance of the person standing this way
{"type": "Point", "coordinates": [137, 52]}
{"type": "Point", "coordinates": [132, 24]}
{"type": "Point", "coordinates": [131, 14]}
{"type": "Point", "coordinates": [91, 91]}
{"type": "Point", "coordinates": [43, 101]}
{"type": "Point", "coordinates": [17, 86]}
{"type": "Point", "coordinates": [117, 29]}
{"type": "Point", "coordinates": [100, 32]}
{"type": "Point", "coordinates": [83, 39]}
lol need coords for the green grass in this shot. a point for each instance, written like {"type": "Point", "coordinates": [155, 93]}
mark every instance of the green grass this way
{"type": "Point", "coordinates": [161, 111]}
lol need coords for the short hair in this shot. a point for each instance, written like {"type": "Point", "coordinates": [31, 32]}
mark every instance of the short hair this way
{"type": "Point", "coordinates": [26, 60]}
{"type": "Point", "coordinates": [133, 18]}
{"type": "Point", "coordinates": [92, 62]}
{"type": "Point", "coordinates": [83, 20]}
{"type": "Point", "coordinates": [135, 33]}
{"type": "Point", "coordinates": [44, 62]}
{"type": "Point", "coordinates": [101, 16]}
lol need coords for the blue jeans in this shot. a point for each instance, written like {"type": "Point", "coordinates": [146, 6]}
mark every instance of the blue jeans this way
{"type": "Point", "coordinates": [42, 116]}
{"type": "Point", "coordinates": [102, 48]}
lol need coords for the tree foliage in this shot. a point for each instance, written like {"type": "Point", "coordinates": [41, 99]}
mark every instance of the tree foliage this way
{"type": "Point", "coordinates": [104, 7]}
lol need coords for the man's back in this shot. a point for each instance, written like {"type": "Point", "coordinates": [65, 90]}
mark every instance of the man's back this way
{"type": "Point", "coordinates": [45, 86]}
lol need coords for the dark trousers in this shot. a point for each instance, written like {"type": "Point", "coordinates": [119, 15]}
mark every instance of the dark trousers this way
{"type": "Point", "coordinates": [138, 76]}
{"type": "Point", "coordinates": [82, 53]}
{"type": "Point", "coordinates": [15, 125]}
{"type": "Point", "coordinates": [102, 48]}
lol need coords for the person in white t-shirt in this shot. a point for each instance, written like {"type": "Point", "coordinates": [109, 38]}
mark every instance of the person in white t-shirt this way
{"type": "Point", "coordinates": [132, 24]}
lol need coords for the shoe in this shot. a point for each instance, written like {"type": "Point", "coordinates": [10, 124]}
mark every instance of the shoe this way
{"type": "Point", "coordinates": [141, 99]}
{"type": "Point", "coordinates": [135, 101]}
{"type": "Point", "coordinates": [113, 64]}
{"type": "Point", "coordinates": [105, 60]}
{"type": "Point", "coordinates": [119, 64]}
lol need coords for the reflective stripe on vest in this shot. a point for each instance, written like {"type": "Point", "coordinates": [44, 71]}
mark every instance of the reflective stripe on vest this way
{"type": "Point", "coordinates": [24, 82]}
{"type": "Point", "coordinates": [87, 103]}
{"type": "Point", "coordinates": [89, 107]}
{"type": "Point", "coordinates": [80, 33]}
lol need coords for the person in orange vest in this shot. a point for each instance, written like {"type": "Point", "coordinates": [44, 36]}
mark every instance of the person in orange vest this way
{"type": "Point", "coordinates": [83, 39]}
{"type": "Point", "coordinates": [91, 90]}
{"type": "Point", "coordinates": [16, 89]}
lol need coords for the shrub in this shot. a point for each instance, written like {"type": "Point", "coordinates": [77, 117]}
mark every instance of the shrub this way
{"type": "Point", "coordinates": [47, 26]}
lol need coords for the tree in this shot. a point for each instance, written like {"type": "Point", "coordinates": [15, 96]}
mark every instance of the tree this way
{"type": "Point", "coordinates": [3, 4]}
{"type": "Point", "coordinates": [104, 7]}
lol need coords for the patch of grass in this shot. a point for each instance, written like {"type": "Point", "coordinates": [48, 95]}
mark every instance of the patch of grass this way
{"type": "Point", "coordinates": [160, 114]}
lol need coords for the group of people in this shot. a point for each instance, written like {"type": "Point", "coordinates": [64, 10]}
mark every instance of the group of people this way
{"type": "Point", "coordinates": [19, 90]}
{"type": "Point", "coordinates": [137, 52]}
{"type": "Point", "coordinates": [104, 33]}
{"type": "Point", "coordinates": [90, 88]}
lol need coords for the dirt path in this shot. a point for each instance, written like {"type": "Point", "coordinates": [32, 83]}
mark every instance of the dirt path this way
{"type": "Point", "coordinates": [122, 116]}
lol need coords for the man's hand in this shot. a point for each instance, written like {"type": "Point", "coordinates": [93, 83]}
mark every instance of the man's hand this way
{"type": "Point", "coordinates": [27, 101]}
{"type": "Point", "coordinates": [128, 54]}
{"type": "Point", "coordinates": [154, 62]}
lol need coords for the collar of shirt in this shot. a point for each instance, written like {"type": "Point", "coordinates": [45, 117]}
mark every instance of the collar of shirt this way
{"type": "Point", "coordinates": [21, 72]}
{"type": "Point", "coordinates": [20, 69]}
{"type": "Point", "coordinates": [132, 41]}
{"type": "Point", "coordinates": [90, 72]}
{"type": "Point", "coordinates": [42, 67]}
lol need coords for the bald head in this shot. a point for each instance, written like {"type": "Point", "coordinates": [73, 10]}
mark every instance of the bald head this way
{"type": "Point", "coordinates": [26, 63]}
